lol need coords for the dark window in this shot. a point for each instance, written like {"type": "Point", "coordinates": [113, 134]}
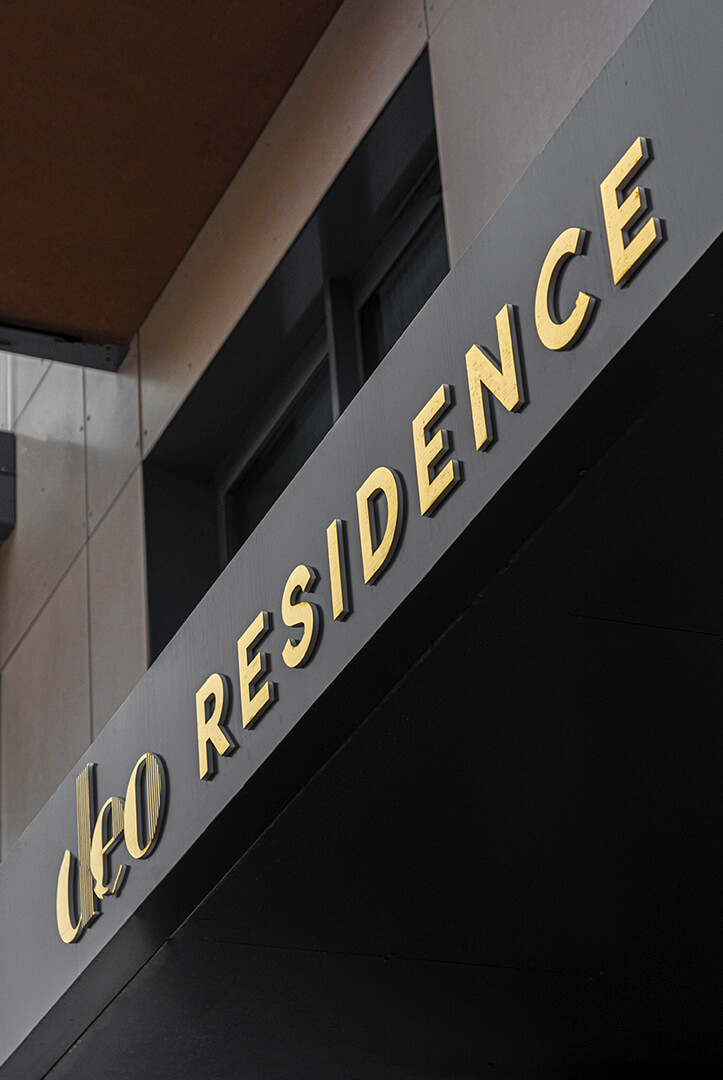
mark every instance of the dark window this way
{"type": "Point", "coordinates": [367, 261]}
{"type": "Point", "coordinates": [275, 463]}
{"type": "Point", "coordinates": [404, 289]}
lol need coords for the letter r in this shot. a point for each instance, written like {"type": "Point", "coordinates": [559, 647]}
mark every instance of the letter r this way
{"type": "Point", "coordinates": [210, 730]}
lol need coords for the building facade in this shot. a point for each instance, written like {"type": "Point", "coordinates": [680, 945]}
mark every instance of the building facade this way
{"type": "Point", "coordinates": [460, 817]}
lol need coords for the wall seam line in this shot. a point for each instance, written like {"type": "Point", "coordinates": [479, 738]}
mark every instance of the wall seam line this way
{"type": "Point", "coordinates": [113, 501]}
{"type": "Point", "coordinates": [34, 391]}
{"type": "Point", "coordinates": [87, 561]}
{"type": "Point", "coordinates": [146, 612]}
{"type": "Point", "coordinates": [62, 577]}
{"type": "Point", "coordinates": [42, 607]}
{"type": "Point", "coordinates": [141, 440]}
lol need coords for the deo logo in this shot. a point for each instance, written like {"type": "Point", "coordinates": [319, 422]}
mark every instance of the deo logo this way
{"type": "Point", "coordinates": [139, 819]}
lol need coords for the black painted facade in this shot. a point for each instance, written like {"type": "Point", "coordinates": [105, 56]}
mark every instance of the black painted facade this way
{"type": "Point", "coordinates": [477, 833]}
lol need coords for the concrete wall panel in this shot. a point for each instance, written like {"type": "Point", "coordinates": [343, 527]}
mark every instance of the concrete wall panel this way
{"type": "Point", "coordinates": [45, 704]}
{"type": "Point", "coordinates": [436, 10]}
{"type": "Point", "coordinates": [113, 433]}
{"type": "Point", "coordinates": [505, 74]}
{"type": "Point", "coordinates": [117, 603]}
{"type": "Point", "coordinates": [25, 373]}
{"type": "Point", "coordinates": [51, 527]}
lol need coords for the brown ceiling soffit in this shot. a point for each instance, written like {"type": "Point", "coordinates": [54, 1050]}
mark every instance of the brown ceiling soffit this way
{"type": "Point", "coordinates": [126, 124]}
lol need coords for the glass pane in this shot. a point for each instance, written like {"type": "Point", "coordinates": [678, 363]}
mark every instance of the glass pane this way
{"type": "Point", "coordinates": [404, 291]}
{"type": "Point", "coordinates": [261, 483]}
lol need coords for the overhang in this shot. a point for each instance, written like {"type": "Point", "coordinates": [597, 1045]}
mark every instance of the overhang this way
{"type": "Point", "coordinates": [122, 125]}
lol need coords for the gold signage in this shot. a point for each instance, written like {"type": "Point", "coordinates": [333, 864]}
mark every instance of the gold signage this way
{"type": "Point", "coordinates": [379, 498]}
{"type": "Point", "coordinates": [504, 381]}
{"type": "Point", "coordinates": [561, 334]}
{"type": "Point", "coordinates": [214, 694]}
{"type": "Point", "coordinates": [297, 612]}
{"type": "Point", "coordinates": [337, 569]}
{"type": "Point", "coordinates": [137, 819]}
{"type": "Point", "coordinates": [376, 551]}
{"type": "Point", "coordinates": [627, 255]}
{"type": "Point", "coordinates": [255, 700]}
{"type": "Point", "coordinates": [432, 489]}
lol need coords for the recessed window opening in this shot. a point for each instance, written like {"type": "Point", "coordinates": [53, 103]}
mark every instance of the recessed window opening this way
{"type": "Point", "coordinates": [404, 272]}
{"type": "Point", "coordinates": [358, 273]}
{"type": "Point", "coordinates": [273, 463]}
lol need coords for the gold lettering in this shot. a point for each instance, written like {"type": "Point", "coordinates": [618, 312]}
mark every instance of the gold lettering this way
{"type": "Point", "coordinates": [299, 613]}
{"type": "Point", "coordinates": [144, 807]}
{"type": "Point", "coordinates": [561, 335]}
{"type": "Point", "coordinates": [110, 812]}
{"type": "Point", "coordinates": [374, 559]}
{"type": "Point", "coordinates": [64, 900]}
{"type": "Point", "coordinates": [253, 705]}
{"type": "Point", "coordinates": [337, 569]}
{"type": "Point", "coordinates": [621, 216]}
{"type": "Point", "coordinates": [483, 373]}
{"type": "Point", "coordinates": [433, 490]}
{"type": "Point", "coordinates": [209, 729]}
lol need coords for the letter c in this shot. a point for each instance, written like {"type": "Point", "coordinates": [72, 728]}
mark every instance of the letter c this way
{"type": "Point", "coordinates": [561, 335]}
